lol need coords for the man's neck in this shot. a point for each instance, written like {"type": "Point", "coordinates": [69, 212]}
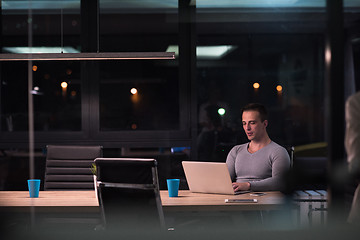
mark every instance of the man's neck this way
{"type": "Point", "coordinates": [255, 146]}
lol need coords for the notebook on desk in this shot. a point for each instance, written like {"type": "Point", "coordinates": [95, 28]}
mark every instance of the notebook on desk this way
{"type": "Point", "coordinates": [209, 177]}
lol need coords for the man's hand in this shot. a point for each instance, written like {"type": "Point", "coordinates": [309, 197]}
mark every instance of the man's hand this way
{"type": "Point", "coordinates": [241, 186]}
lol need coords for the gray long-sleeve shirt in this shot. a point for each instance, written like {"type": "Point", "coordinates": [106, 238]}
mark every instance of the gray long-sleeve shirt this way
{"type": "Point", "coordinates": [263, 169]}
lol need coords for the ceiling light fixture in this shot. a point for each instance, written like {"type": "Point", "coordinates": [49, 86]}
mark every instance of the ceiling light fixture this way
{"type": "Point", "coordinates": [85, 56]}
{"type": "Point", "coordinates": [28, 50]}
{"type": "Point", "coordinates": [207, 52]}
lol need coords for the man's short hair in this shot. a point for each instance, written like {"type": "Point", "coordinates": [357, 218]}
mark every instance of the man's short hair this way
{"type": "Point", "coordinates": [258, 108]}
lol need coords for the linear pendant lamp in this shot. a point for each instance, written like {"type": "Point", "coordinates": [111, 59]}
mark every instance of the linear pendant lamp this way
{"type": "Point", "coordinates": [85, 56]}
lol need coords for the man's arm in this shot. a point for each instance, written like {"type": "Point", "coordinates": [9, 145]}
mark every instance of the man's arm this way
{"type": "Point", "coordinates": [230, 162]}
{"type": "Point", "coordinates": [280, 166]}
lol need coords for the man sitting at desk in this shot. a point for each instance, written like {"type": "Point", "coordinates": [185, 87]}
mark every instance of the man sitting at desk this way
{"type": "Point", "coordinates": [260, 164]}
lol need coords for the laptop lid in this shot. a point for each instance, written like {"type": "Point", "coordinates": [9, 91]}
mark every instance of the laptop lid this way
{"type": "Point", "coordinates": [208, 177]}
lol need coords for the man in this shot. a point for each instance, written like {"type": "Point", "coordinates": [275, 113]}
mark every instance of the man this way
{"type": "Point", "coordinates": [260, 164]}
{"type": "Point", "coordinates": [352, 146]}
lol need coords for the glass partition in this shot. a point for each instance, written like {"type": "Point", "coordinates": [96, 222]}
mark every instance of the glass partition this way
{"type": "Point", "coordinates": [138, 95]}
{"type": "Point", "coordinates": [273, 54]}
{"type": "Point", "coordinates": [56, 94]}
{"type": "Point", "coordinates": [56, 85]}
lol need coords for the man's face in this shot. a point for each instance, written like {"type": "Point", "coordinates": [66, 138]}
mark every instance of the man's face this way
{"type": "Point", "coordinates": [253, 127]}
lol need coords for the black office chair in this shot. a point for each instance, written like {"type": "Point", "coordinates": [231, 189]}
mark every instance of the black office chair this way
{"type": "Point", "coordinates": [69, 167]}
{"type": "Point", "coordinates": [290, 150]}
{"type": "Point", "coordinates": [129, 194]}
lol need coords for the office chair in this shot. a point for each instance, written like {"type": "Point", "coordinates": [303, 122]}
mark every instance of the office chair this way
{"type": "Point", "coordinates": [290, 150]}
{"type": "Point", "coordinates": [129, 196]}
{"type": "Point", "coordinates": [69, 167]}
{"type": "Point", "coordinates": [308, 186]}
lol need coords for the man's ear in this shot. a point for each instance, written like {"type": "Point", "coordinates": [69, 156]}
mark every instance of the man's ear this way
{"type": "Point", "coordinates": [266, 123]}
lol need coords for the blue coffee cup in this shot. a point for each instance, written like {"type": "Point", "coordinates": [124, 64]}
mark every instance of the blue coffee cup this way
{"type": "Point", "coordinates": [173, 187]}
{"type": "Point", "coordinates": [34, 187]}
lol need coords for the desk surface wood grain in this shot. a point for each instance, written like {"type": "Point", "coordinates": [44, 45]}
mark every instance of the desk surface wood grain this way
{"type": "Point", "coordinates": [186, 201]}
{"type": "Point", "coordinates": [49, 199]}
{"type": "Point", "coordinates": [202, 201]}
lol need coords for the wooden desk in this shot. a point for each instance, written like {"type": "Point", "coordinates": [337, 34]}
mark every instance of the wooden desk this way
{"type": "Point", "coordinates": [52, 209]}
{"type": "Point", "coordinates": [188, 201]}
{"type": "Point", "coordinates": [81, 207]}
{"type": "Point", "coordinates": [209, 211]}
{"type": "Point", "coordinates": [54, 201]}
{"type": "Point", "coordinates": [48, 199]}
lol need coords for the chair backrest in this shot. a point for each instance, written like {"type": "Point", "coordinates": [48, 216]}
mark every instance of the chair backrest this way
{"type": "Point", "coordinates": [290, 150]}
{"type": "Point", "coordinates": [128, 191]}
{"type": "Point", "coordinates": [69, 167]}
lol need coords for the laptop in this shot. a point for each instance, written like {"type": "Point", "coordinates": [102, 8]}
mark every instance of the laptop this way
{"type": "Point", "coordinates": [209, 177]}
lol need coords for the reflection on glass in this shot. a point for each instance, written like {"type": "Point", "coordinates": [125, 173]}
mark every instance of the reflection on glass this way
{"type": "Point", "coordinates": [262, 4]}
{"type": "Point", "coordinates": [151, 105]}
{"type": "Point", "coordinates": [281, 73]}
{"type": "Point", "coordinates": [57, 103]}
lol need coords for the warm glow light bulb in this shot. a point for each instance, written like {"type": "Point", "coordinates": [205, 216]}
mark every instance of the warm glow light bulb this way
{"type": "Point", "coordinates": [64, 84]}
{"type": "Point", "coordinates": [133, 91]}
{"type": "Point", "coordinates": [327, 55]}
{"type": "Point", "coordinates": [279, 88]}
{"type": "Point", "coordinates": [221, 111]}
{"type": "Point", "coordinates": [34, 68]}
{"type": "Point", "coordinates": [256, 85]}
